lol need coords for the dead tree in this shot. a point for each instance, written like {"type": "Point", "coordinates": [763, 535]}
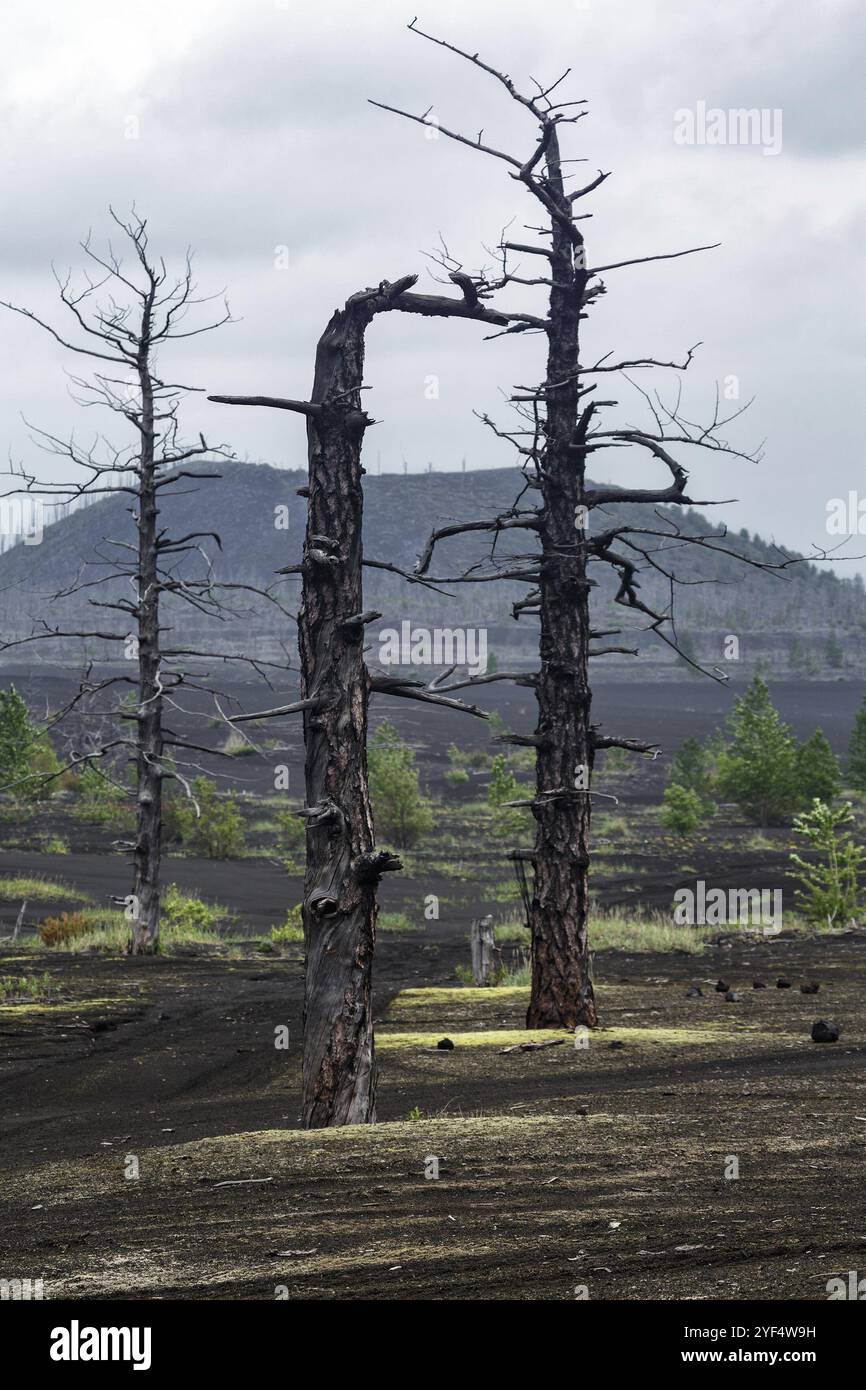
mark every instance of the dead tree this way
{"type": "Point", "coordinates": [125, 315]}
{"type": "Point", "coordinates": [559, 427]}
{"type": "Point", "coordinates": [343, 865]}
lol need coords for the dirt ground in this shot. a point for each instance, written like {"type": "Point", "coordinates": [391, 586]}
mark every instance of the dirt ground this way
{"type": "Point", "coordinates": [567, 1172]}
{"type": "Point", "coordinates": [697, 1148]}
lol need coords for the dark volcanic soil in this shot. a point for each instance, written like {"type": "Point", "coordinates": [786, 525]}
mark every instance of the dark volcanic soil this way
{"type": "Point", "coordinates": [158, 1058]}
{"type": "Point", "coordinates": [608, 1169]}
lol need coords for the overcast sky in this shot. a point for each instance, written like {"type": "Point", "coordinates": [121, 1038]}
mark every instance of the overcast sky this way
{"type": "Point", "coordinates": [243, 128]}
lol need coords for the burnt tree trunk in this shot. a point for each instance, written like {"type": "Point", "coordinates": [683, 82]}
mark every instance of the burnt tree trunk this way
{"type": "Point", "coordinates": [148, 842]}
{"type": "Point", "coordinates": [562, 994]}
{"type": "Point", "coordinates": [483, 946]}
{"type": "Point", "coordinates": [342, 867]}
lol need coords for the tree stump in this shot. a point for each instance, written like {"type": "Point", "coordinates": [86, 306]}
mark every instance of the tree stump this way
{"type": "Point", "coordinates": [483, 948]}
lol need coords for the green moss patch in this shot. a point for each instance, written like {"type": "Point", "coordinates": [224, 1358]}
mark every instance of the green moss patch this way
{"type": "Point", "coordinates": [510, 1037]}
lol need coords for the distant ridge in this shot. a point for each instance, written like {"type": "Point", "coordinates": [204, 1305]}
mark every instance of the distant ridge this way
{"type": "Point", "coordinates": [807, 622]}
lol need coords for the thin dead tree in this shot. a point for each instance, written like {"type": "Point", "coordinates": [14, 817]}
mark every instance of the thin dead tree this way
{"type": "Point", "coordinates": [124, 316]}
{"type": "Point", "coordinates": [560, 424]}
{"type": "Point", "coordinates": [343, 864]}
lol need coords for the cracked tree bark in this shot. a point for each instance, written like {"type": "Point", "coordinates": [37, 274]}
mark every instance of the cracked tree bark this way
{"type": "Point", "coordinates": [562, 994]}
{"type": "Point", "coordinates": [144, 936]}
{"type": "Point", "coordinates": [342, 868]}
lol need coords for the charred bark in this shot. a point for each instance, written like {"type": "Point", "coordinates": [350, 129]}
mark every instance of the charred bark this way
{"type": "Point", "coordinates": [562, 994]}
{"type": "Point", "coordinates": [339, 908]}
{"type": "Point", "coordinates": [144, 937]}
{"type": "Point", "coordinates": [553, 439]}
{"type": "Point", "coordinates": [343, 867]}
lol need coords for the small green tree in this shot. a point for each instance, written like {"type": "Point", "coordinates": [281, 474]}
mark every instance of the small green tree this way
{"type": "Point", "coordinates": [758, 768]}
{"type": "Point", "coordinates": [217, 832]}
{"type": "Point", "coordinates": [857, 750]}
{"type": "Point", "coordinates": [692, 768]}
{"type": "Point", "coordinates": [829, 889]}
{"type": "Point", "coordinates": [682, 810]}
{"type": "Point", "coordinates": [26, 753]}
{"type": "Point", "coordinates": [402, 814]}
{"type": "Point", "coordinates": [16, 736]}
{"type": "Point", "coordinates": [502, 788]}
{"type": "Point", "coordinates": [818, 769]}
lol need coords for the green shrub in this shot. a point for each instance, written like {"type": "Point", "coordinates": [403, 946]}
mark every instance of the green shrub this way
{"type": "Point", "coordinates": [54, 844]}
{"type": "Point", "coordinates": [692, 768]}
{"type": "Point", "coordinates": [217, 832]}
{"type": "Point", "coordinates": [185, 914]}
{"type": "Point", "coordinates": [292, 930]}
{"type": "Point", "coordinates": [456, 777]}
{"type": "Point", "coordinates": [502, 788]}
{"type": "Point", "coordinates": [402, 814]}
{"type": "Point", "coordinates": [682, 811]}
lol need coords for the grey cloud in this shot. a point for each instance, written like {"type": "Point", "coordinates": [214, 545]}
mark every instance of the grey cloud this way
{"type": "Point", "coordinates": [255, 133]}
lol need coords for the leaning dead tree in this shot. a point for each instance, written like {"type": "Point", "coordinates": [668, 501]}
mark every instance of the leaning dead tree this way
{"type": "Point", "coordinates": [560, 425]}
{"type": "Point", "coordinates": [124, 316]}
{"type": "Point", "coordinates": [343, 864]}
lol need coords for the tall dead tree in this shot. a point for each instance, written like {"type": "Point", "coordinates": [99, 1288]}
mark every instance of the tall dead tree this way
{"type": "Point", "coordinates": [125, 317]}
{"type": "Point", "coordinates": [343, 865]}
{"type": "Point", "coordinates": [559, 428]}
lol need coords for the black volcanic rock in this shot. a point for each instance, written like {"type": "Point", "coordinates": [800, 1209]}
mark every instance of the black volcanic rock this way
{"type": "Point", "coordinates": [825, 1032]}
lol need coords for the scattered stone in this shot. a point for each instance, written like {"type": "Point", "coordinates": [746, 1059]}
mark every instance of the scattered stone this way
{"type": "Point", "coordinates": [758, 984]}
{"type": "Point", "coordinates": [445, 1045]}
{"type": "Point", "coordinates": [825, 1032]}
{"type": "Point", "coordinates": [721, 987]}
{"type": "Point", "coordinates": [616, 1045]}
{"type": "Point", "coordinates": [733, 997]}
{"type": "Point", "coordinates": [582, 1110]}
{"type": "Point", "coordinates": [695, 992]}
{"type": "Point", "coordinates": [810, 987]}
{"type": "Point", "coordinates": [782, 983]}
